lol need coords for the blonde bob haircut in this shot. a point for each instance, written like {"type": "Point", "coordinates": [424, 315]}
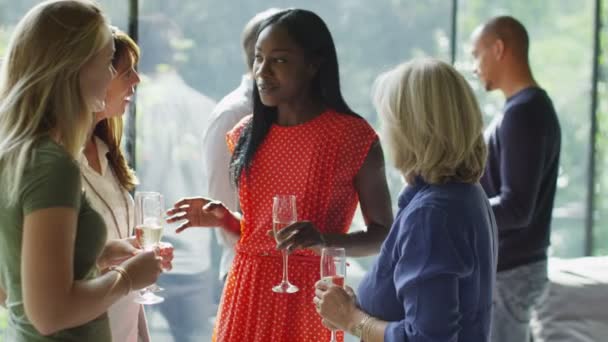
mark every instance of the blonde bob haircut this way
{"type": "Point", "coordinates": [431, 122]}
{"type": "Point", "coordinates": [40, 91]}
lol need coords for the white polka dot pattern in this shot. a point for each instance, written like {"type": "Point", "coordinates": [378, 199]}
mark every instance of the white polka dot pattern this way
{"type": "Point", "coordinates": [317, 162]}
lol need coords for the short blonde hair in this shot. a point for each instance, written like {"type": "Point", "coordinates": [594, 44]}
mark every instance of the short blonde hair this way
{"type": "Point", "coordinates": [40, 90]}
{"type": "Point", "coordinates": [431, 122]}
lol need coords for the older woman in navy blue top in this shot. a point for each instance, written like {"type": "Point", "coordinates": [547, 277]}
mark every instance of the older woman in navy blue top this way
{"type": "Point", "coordinates": [434, 276]}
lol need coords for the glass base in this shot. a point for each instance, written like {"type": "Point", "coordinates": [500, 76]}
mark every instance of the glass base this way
{"type": "Point", "coordinates": [148, 298]}
{"type": "Point", "coordinates": [285, 287]}
{"type": "Point", "coordinates": [155, 288]}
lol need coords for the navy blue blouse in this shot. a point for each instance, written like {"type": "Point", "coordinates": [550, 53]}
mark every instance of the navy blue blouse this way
{"type": "Point", "coordinates": [434, 276]}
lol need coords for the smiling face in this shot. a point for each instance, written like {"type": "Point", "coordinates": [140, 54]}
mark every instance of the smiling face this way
{"type": "Point", "coordinates": [121, 88]}
{"type": "Point", "coordinates": [282, 72]}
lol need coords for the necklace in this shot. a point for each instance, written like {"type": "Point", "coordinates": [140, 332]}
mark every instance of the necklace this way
{"type": "Point", "coordinates": [109, 207]}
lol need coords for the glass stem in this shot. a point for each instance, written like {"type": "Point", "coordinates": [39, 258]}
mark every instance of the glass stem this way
{"type": "Point", "coordinates": [333, 336]}
{"type": "Point", "coordinates": [285, 279]}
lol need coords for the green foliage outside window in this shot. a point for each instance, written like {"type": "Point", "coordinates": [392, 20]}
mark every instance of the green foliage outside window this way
{"type": "Point", "coordinates": [373, 36]}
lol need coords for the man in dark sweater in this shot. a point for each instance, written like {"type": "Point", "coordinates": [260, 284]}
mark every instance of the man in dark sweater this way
{"type": "Point", "coordinates": [521, 173]}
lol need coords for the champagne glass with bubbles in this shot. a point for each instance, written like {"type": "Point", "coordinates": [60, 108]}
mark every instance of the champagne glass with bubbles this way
{"type": "Point", "coordinates": [149, 211]}
{"type": "Point", "coordinates": [333, 270]}
{"type": "Point", "coordinates": [283, 214]}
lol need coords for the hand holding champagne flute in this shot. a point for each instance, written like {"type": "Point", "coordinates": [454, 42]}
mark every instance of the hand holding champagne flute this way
{"type": "Point", "coordinates": [333, 270]}
{"type": "Point", "coordinates": [148, 230]}
{"type": "Point", "coordinates": [284, 213]}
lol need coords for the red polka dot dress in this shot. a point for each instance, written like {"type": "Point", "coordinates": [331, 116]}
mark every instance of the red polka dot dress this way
{"type": "Point", "coordinates": [317, 162]}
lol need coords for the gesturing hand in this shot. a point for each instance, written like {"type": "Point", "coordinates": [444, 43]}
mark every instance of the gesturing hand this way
{"type": "Point", "coordinates": [198, 212]}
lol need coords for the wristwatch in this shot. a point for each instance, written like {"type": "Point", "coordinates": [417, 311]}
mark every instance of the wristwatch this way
{"type": "Point", "coordinates": [358, 328]}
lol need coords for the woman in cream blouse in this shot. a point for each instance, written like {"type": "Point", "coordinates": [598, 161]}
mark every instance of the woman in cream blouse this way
{"type": "Point", "coordinates": [107, 179]}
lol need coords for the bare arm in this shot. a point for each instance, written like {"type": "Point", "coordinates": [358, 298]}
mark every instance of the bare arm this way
{"type": "Point", "coordinates": [375, 201]}
{"type": "Point", "coordinates": [374, 198]}
{"type": "Point", "coordinates": [53, 300]}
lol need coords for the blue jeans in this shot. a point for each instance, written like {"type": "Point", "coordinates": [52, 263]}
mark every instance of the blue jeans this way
{"type": "Point", "coordinates": [517, 292]}
{"type": "Point", "coordinates": [188, 305]}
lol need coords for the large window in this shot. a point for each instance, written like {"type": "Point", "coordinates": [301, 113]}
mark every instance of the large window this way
{"type": "Point", "coordinates": [204, 61]}
{"type": "Point", "coordinates": [561, 49]}
{"type": "Point", "coordinates": [191, 58]}
{"type": "Point", "coordinates": [600, 217]}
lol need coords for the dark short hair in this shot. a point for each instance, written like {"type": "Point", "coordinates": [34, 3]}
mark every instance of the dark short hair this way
{"type": "Point", "coordinates": [512, 32]}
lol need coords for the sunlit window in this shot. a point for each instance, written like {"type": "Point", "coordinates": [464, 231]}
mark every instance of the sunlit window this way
{"type": "Point", "coordinates": [191, 58]}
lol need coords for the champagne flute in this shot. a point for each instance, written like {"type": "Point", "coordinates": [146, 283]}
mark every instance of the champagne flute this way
{"type": "Point", "coordinates": [333, 270]}
{"type": "Point", "coordinates": [149, 210]}
{"type": "Point", "coordinates": [283, 214]}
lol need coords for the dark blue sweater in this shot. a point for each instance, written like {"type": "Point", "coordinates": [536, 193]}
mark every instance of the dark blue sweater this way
{"type": "Point", "coordinates": [434, 276]}
{"type": "Point", "coordinates": [521, 175]}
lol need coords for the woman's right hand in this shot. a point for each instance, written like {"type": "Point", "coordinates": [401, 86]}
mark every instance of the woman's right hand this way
{"type": "Point", "coordinates": [143, 269]}
{"type": "Point", "coordinates": [198, 212]}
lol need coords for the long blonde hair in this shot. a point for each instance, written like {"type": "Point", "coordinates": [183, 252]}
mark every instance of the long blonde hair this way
{"type": "Point", "coordinates": [40, 83]}
{"type": "Point", "coordinates": [431, 122]}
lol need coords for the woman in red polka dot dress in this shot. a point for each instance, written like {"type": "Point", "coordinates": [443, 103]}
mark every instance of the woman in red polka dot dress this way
{"type": "Point", "coordinates": [303, 140]}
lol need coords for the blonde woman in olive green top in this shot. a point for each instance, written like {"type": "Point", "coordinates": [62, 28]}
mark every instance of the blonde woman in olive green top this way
{"type": "Point", "coordinates": [55, 75]}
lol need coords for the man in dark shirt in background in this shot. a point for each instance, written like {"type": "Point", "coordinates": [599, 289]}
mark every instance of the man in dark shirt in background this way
{"type": "Point", "coordinates": [521, 173]}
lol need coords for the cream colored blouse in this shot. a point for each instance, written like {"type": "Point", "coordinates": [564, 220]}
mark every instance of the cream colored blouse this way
{"type": "Point", "coordinates": [116, 206]}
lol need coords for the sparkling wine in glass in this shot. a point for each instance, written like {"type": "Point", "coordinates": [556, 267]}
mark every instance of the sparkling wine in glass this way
{"type": "Point", "coordinates": [333, 270]}
{"type": "Point", "coordinates": [149, 211]}
{"type": "Point", "coordinates": [283, 214]}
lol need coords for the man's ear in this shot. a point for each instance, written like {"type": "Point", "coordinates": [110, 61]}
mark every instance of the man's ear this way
{"type": "Point", "coordinates": [499, 49]}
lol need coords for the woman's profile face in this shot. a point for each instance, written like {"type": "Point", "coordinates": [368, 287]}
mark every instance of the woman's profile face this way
{"type": "Point", "coordinates": [282, 71]}
{"type": "Point", "coordinates": [95, 76]}
{"type": "Point", "coordinates": [121, 88]}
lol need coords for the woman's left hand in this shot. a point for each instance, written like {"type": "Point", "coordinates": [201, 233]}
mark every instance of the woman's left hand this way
{"type": "Point", "coordinates": [116, 251]}
{"type": "Point", "coordinates": [300, 235]}
{"type": "Point", "coordinates": [334, 304]}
